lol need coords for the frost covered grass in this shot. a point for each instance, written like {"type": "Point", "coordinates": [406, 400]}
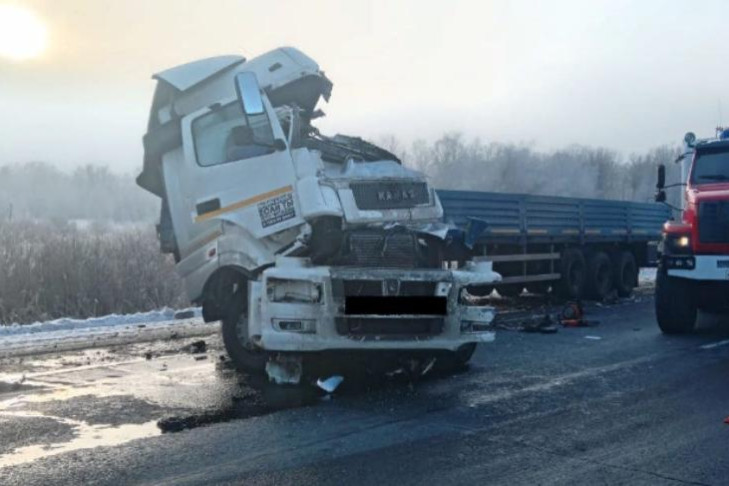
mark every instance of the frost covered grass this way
{"type": "Point", "coordinates": [50, 270]}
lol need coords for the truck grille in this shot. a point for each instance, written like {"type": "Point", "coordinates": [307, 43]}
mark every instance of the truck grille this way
{"type": "Point", "coordinates": [389, 195]}
{"type": "Point", "coordinates": [379, 249]}
{"type": "Point", "coordinates": [714, 222]}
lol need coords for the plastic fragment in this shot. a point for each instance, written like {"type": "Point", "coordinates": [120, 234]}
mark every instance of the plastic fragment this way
{"type": "Point", "coordinates": [330, 384]}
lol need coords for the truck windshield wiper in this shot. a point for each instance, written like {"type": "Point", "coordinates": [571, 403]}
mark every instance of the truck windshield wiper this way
{"type": "Point", "coordinates": [715, 177]}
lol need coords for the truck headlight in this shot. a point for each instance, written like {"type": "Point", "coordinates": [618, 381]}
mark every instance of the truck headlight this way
{"type": "Point", "coordinates": [293, 291]}
{"type": "Point", "coordinates": [677, 244]}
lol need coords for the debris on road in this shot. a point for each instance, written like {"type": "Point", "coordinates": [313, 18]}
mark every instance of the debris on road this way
{"type": "Point", "coordinates": [198, 347]}
{"type": "Point", "coordinates": [330, 384]}
{"type": "Point", "coordinates": [284, 370]}
{"type": "Point", "coordinates": [544, 325]}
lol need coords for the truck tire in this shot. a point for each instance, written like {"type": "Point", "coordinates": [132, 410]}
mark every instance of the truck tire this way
{"type": "Point", "coordinates": [599, 280]}
{"type": "Point", "coordinates": [572, 269]}
{"type": "Point", "coordinates": [456, 360]}
{"type": "Point", "coordinates": [676, 309]}
{"type": "Point", "coordinates": [625, 273]}
{"type": "Point", "coordinates": [235, 340]}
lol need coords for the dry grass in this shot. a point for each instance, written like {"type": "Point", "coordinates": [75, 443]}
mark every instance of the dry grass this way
{"type": "Point", "coordinates": [50, 270]}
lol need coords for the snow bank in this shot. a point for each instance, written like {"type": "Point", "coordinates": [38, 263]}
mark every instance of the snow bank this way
{"type": "Point", "coordinates": [647, 275]}
{"type": "Point", "coordinates": [68, 324]}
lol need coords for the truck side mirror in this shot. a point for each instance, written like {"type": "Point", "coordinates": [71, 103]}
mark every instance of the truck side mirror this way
{"type": "Point", "coordinates": [661, 196]}
{"type": "Point", "coordinates": [661, 177]}
{"type": "Point", "coordinates": [249, 93]}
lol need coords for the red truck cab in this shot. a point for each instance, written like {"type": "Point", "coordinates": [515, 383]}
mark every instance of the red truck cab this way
{"type": "Point", "coordinates": [693, 270]}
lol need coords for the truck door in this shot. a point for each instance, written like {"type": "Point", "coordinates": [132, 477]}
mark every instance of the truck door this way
{"type": "Point", "coordinates": [238, 169]}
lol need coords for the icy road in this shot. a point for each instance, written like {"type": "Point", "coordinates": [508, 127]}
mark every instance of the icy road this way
{"type": "Point", "coordinates": [616, 403]}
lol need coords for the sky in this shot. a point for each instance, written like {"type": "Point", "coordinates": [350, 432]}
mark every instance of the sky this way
{"type": "Point", "coordinates": [626, 75]}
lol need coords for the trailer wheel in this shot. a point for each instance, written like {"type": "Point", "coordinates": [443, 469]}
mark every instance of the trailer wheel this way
{"type": "Point", "coordinates": [572, 269]}
{"type": "Point", "coordinates": [676, 309]}
{"type": "Point", "coordinates": [625, 273]}
{"type": "Point", "coordinates": [599, 275]}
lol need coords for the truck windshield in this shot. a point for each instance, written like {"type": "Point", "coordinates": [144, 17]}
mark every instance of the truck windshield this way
{"type": "Point", "coordinates": [223, 135]}
{"type": "Point", "coordinates": [710, 166]}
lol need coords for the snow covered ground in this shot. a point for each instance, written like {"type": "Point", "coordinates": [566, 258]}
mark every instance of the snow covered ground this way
{"type": "Point", "coordinates": [65, 334]}
{"type": "Point", "coordinates": [647, 276]}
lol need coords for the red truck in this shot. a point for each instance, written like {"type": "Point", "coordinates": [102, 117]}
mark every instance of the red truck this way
{"type": "Point", "coordinates": [693, 267]}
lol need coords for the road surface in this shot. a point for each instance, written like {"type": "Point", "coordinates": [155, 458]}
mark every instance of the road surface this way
{"type": "Point", "coordinates": [617, 403]}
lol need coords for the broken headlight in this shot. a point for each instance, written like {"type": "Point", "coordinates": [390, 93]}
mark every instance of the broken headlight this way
{"type": "Point", "coordinates": [293, 291]}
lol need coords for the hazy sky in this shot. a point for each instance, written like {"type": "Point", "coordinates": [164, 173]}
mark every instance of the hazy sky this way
{"type": "Point", "coordinates": [627, 75]}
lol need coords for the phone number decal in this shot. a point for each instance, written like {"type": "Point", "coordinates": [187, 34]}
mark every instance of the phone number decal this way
{"type": "Point", "coordinates": [277, 209]}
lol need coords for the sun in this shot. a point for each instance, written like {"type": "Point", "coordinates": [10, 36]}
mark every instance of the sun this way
{"type": "Point", "coordinates": [22, 34]}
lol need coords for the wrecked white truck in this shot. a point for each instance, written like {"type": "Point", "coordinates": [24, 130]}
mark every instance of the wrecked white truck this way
{"type": "Point", "coordinates": [301, 244]}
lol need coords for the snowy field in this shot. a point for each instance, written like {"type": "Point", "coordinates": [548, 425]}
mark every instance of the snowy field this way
{"type": "Point", "coordinates": [66, 334]}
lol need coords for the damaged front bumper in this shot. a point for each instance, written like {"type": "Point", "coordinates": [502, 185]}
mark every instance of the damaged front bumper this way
{"type": "Point", "coordinates": [298, 308]}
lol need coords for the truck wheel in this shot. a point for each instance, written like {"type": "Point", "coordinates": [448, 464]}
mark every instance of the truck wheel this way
{"type": "Point", "coordinates": [625, 273]}
{"type": "Point", "coordinates": [235, 339]}
{"type": "Point", "coordinates": [572, 269]}
{"type": "Point", "coordinates": [456, 360]}
{"type": "Point", "coordinates": [676, 309]}
{"type": "Point", "coordinates": [599, 276]}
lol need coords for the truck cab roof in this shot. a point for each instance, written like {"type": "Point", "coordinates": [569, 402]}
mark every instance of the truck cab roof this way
{"type": "Point", "coordinates": [286, 75]}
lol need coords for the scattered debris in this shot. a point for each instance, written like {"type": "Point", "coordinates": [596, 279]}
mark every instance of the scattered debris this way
{"type": "Point", "coordinates": [201, 357]}
{"type": "Point", "coordinates": [148, 355]}
{"type": "Point", "coordinates": [544, 325]}
{"type": "Point", "coordinates": [573, 315]}
{"type": "Point", "coordinates": [395, 372]}
{"type": "Point", "coordinates": [428, 367]}
{"type": "Point", "coordinates": [284, 369]}
{"type": "Point", "coordinates": [198, 347]}
{"type": "Point", "coordinates": [330, 384]}
{"type": "Point", "coordinates": [593, 338]}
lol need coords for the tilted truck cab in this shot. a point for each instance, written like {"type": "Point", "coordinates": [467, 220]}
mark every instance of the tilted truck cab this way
{"type": "Point", "coordinates": [693, 272]}
{"type": "Point", "coordinates": [299, 242]}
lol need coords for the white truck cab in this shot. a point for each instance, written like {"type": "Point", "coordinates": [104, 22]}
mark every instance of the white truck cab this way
{"type": "Point", "coordinates": [296, 241]}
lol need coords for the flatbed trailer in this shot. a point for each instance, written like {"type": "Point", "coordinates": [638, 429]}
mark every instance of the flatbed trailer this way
{"type": "Point", "coordinates": [577, 247]}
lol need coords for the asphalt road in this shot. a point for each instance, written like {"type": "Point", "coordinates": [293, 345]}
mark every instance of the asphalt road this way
{"type": "Point", "coordinates": [614, 404]}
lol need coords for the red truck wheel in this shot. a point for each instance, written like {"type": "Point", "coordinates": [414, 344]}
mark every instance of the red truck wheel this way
{"type": "Point", "coordinates": [676, 309]}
